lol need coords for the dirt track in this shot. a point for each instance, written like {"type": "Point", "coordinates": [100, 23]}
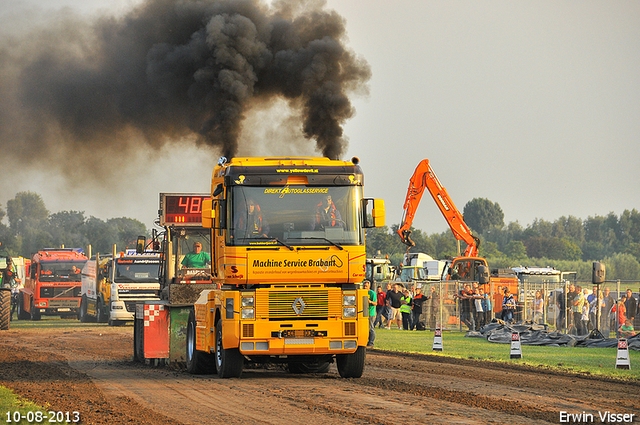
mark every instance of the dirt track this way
{"type": "Point", "coordinates": [89, 369]}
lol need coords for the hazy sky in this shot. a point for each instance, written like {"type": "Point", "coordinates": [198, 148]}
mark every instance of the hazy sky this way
{"type": "Point", "coordinates": [534, 105]}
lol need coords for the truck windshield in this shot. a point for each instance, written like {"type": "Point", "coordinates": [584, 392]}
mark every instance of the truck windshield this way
{"type": "Point", "coordinates": [61, 271]}
{"type": "Point", "coordinates": [411, 273]}
{"type": "Point", "coordinates": [137, 270]}
{"type": "Point", "coordinates": [295, 215]}
{"type": "Point", "coordinates": [193, 248]}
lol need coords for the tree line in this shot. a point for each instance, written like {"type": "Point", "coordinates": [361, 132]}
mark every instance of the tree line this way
{"type": "Point", "coordinates": [568, 243]}
{"type": "Point", "coordinates": [32, 227]}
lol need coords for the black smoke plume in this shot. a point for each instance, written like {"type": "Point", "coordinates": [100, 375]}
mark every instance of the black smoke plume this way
{"type": "Point", "coordinates": [172, 69]}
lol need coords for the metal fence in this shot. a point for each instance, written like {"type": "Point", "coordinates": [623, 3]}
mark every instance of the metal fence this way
{"type": "Point", "coordinates": [539, 302]}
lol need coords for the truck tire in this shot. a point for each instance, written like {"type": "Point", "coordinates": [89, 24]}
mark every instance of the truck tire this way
{"type": "Point", "coordinates": [102, 315]}
{"type": "Point", "coordinates": [5, 308]}
{"type": "Point", "coordinates": [84, 318]}
{"type": "Point", "coordinates": [22, 315]}
{"type": "Point", "coordinates": [35, 315]}
{"type": "Point", "coordinates": [198, 362]}
{"type": "Point", "coordinates": [229, 361]}
{"type": "Point", "coordinates": [351, 365]}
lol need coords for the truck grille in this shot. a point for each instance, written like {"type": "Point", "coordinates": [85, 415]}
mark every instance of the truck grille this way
{"type": "Point", "coordinates": [298, 303]}
{"type": "Point", "coordinates": [59, 291]}
{"type": "Point", "coordinates": [60, 303]}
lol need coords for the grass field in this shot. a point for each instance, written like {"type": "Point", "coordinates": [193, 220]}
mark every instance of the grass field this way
{"type": "Point", "coordinates": [595, 361]}
{"type": "Point", "coordinates": [13, 407]}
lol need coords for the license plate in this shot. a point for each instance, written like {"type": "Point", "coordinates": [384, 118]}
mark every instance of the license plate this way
{"type": "Point", "coordinates": [298, 333]}
{"type": "Point", "coordinates": [64, 309]}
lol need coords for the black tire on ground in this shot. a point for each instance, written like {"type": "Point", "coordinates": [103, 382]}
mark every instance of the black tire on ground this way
{"type": "Point", "coordinates": [102, 315]}
{"type": "Point", "coordinates": [22, 315]}
{"type": "Point", "coordinates": [229, 361]}
{"type": "Point", "coordinates": [5, 309]}
{"type": "Point", "coordinates": [137, 341]}
{"type": "Point", "coordinates": [351, 365]}
{"type": "Point", "coordinates": [303, 367]}
{"type": "Point", "coordinates": [198, 362]}
{"type": "Point", "coordinates": [84, 318]}
{"type": "Point", "coordinates": [35, 315]}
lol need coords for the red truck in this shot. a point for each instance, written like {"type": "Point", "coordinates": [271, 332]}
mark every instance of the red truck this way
{"type": "Point", "coordinates": [53, 283]}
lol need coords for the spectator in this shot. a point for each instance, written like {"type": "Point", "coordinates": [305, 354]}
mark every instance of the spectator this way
{"type": "Point", "coordinates": [372, 312]}
{"type": "Point", "coordinates": [473, 305]}
{"type": "Point", "coordinates": [571, 295]}
{"type": "Point", "coordinates": [405, 309]}
{"type": "Point", "coordinates": [416, 312]}
{"type": "Point", "coordinates": [393, 298]}
{"type": "Point", "coordinates": [538, 307]}
{"type": "Point", "coordinates": [380, 305]}
{"type": "Point", "coordinates": [626, 330]}
{"type": "Point", "coordinates": [560, 301]}
{"type": "Point", "coordinates": [487, 307]}
{"type": "Point", "coordinates": [576, 307]}
{"type": "Point", "coordinates": [433, 313]}
{"type": "Point", "coordinates": [605, 313]}
{"type": "Point", "coordinates": [631, 305]}
{"type": "Point", "coordinates": [621, 311]}
{"type": "Point", "coordinates": [465, 301]}
{"type": "Point", "coordinates": [594, 307]}
{"type": "Point", "coordinates": [478, 301]}
{"type": "Point", "coordinates": [592, 299]}
{"type": "Point", "coordinates": [508, 305]}
{"type": "Point", "coordinates": [585, 313]}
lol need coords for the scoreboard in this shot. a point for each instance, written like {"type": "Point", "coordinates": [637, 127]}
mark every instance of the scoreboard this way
{"type": "Point", "coordinates": [181, 209]}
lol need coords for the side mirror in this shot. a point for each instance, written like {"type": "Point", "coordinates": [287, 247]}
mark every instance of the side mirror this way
{"type": "Point", "coordinates": [141, 242]}
{"type": "Point", "coordinates": [375, 208]}
{"type": "Point", "coordinates": [208, 213]}
{"type": "Point", "coordinates": [597, 277]}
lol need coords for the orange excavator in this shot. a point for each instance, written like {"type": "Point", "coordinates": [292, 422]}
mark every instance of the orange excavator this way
{"type": "Point", "coordinates": [467, 266]}
{"type": "Point", "coordinates": [424, 177]}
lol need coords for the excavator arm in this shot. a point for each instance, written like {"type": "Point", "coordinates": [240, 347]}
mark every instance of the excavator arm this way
{"type": "Point", "coordinates": [424, 177]}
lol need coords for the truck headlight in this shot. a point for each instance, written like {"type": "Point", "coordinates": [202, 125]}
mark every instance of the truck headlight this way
{"type": "Point", "coordinates": [247, 302]}
{"type": "Point", "coordinates": [247, 313]}
{"type": "Point", "coordinates": [349, 300]}
{"type": "Point", "coordinates": [348, 311]}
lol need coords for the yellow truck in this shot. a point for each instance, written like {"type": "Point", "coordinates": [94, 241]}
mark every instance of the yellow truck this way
{"type": "Point", "coordinates": [287, 261]}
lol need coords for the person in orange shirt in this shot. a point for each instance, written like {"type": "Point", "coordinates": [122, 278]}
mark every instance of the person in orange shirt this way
{"type": "Point", "coordinates": [621, 310]}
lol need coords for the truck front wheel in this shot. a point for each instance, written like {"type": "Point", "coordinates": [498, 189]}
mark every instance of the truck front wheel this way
{"type": "Point", "coordinates": [229, 361]}
{"type": "Point", "coordinates": [102, 315]}
{"type": "Point", "coordinates": [22, 315]}
{"type": "Point", "coordinates": [198, 362]}
{"type": "Point", "coordinates": [84, 318]}
{"type": "Point", "coordinates": [35, 315]}
{"type": "Point", "coordinates": [351, 365]}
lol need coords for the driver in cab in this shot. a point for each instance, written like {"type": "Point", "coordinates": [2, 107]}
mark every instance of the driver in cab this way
{"type": "Point", "coordinates": [251, 223]}
{"type": "Point", "coordinates": [196, 259]}
{"type": "Point", "coordinates": [327, 215]}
